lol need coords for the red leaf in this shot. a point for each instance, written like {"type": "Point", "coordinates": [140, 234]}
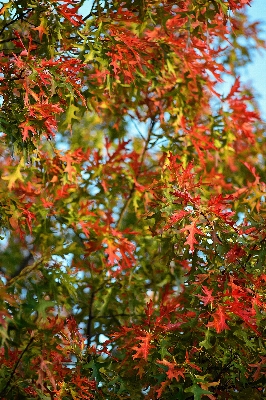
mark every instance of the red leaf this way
{"type": "Point", "coordinates": [259, 365]}
{"type": "Point", "coordinates": [234, 254]}
{"type": "Point", "coordinates": [192, 365]}
{"type": "Point", "coordinates": [70, 13]}
{"type": "Point", "coordinates": [234, 89]}
{"type": "Point", "coordinates": [177, 216]}
{"type": "Point", "coordinates": [173, 370]}
{"type": "Point", "coordinates": [192, 228]}
{"type": "Point", "coordinates": [219, 318]}
{"type": "Point", "coordinates": [142, 351]}
{"type": "Point", "coordinates": [252, 170]}
{"type": "Point", "coordinates": [26, 129]}
{"type": "Point", "coordinates": [111, 251]}
{"type": "Point", "coordinates": [162, 387]}
{"type": "Point", "coordinates": [208, 298]}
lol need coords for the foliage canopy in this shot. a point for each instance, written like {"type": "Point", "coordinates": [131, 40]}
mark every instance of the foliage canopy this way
{"type": "Point", "coordinates": [132, 211]}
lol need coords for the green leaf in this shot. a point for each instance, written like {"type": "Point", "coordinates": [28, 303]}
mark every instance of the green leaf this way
{"type": "Point", "coordinates": [71, 115]}
{"type": "Point", "coordinates": [207, 341]}
{"type": "Point", "coordinates": [197, 391]}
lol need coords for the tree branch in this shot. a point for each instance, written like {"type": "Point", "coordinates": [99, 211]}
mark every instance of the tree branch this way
{"type": "Point", "coordinates": [26, 271]}
{"type": "Point", "coordinates": [15, 367]}
{"type": "Point", "coordinates": [24, 263]}
{"type": "Point", "coordinates": [133, 188]}
{"type": "Point", "coordinates": [89, 323]}
{"type": "Point", "coordinates": [20, 16]}
{"type": "Point", "coordinates": [90, 13]}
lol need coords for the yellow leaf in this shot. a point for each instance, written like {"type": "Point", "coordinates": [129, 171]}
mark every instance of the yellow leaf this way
{"type": "Point", "coordinates": [16, 175]}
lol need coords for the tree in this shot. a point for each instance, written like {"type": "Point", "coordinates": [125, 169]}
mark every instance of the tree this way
{"type": "Point", "coordinates": [132, 202]}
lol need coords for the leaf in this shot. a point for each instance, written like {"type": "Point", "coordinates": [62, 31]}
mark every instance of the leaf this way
{"type": "Point", "coordinates": [70, 13]}
{"type": "Point", "coordinates": [192, 365]}
{"type": "Point", "coordinates": [26, 128]}
{"type": "Point", "coordinates": [176, 217]}
{"type": "Point", "coordinates": [96, 368]}
{"type": "Point", "coordinates": [42, 28]}
{"type": "Point", "coordinates": [219, 320]}
{"type": "Point", "coordinates": [197, 391]}
{"type": "Point", "coordinates": [42, 307]}
{"type": "Point", "coordinates": [252, 170]}
{"type": "Point", "coordinates": [192, 228]}
{"type": "Point", "coordinates": [260, 366]}
{"type": "Point", "coordinates": [174, 371]}
{"type": "Point", "coordinates": [235, 254]}
{"type": "Point", "coordinates": [16, 175]}
{"type": "Point", "coordinates": [111, 251]}
{"type": "Point", "coordinates": [208, 298]}
{"type": "Point", "coordinates": [164, 346]}
{"type": "Point", "coordinates": [207, 341]}
{"type": "Point", "coordinates": [43, 372]}
{"type": "Point", "coordinates": [206, 385]}
{"type": "Point", "coordinates": [143, 349]}
{"type": "Point", "coordinates": [235, 88]}
{"type": "Point", "coordinates": [70, 115]}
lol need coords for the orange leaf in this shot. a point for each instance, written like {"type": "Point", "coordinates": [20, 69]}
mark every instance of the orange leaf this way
{"type": "Point", "coordinates": [192, 228]}
{"type": "Point", "coordinates": [142, 351]}
{"type": "Point", "coordinates": [219, 318]}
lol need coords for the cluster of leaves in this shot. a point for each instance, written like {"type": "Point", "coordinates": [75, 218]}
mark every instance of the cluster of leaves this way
{"type": "Point", "coordinates": [132, 202]}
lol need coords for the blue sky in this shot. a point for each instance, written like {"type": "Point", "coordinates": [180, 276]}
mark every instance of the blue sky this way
{"type": "Point", "coordinates": [256, 73]}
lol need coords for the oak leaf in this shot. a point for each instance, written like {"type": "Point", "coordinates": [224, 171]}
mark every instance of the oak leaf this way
{"type": "Point", "coordinates": [192, 229]}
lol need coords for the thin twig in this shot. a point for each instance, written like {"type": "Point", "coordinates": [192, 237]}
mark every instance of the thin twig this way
{"type": "Point", "coordinates": [20, 16]}
{"type": "Point", "coordinates": [30, 268]}
{"type": "Point", "coordinates": [146, 145]}
{"type": "Point", "coordinates": [26, 271]}
{"type": "Point", "coordinates": [7, 40]}
{"type": "Point", "coordinates": [133, 188]}
{"type": "Point", "coordinates": [136, 127]}
{"type": "Point", "coordinates": [119, 315]}
{"type": "Point", "coordinates": [125, 206]}
{"type": "Point", "coordinates": [24, 263]}
{"type": "Point", "coordinates": [15, 366]}
{"type": "Point", "coordinates": [89, 323]}
{"type": "Point", "coordinates": [90, 13]}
